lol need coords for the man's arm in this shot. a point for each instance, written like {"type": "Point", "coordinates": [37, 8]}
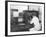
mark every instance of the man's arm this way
{"type": "Point", "coordinates": [31, 21]}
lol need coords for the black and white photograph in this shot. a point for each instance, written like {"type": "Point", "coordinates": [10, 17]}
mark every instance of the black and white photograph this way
{"type": "Point", "coordinates": [25, 18]}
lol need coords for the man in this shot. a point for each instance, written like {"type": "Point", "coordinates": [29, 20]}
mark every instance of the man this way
{"type": "Point", "coordinates": [36, 23]}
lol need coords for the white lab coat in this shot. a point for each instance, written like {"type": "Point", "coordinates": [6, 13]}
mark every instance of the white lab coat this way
{"type": "Point", "coordinates": [37, 25]}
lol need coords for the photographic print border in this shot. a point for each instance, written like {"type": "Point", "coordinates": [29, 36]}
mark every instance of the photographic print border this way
{"type": "Point", "coordinates": [6, 18]}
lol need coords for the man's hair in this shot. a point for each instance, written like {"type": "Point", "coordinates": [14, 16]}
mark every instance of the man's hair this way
{"type": "Point", "coordinates": [35, 13]}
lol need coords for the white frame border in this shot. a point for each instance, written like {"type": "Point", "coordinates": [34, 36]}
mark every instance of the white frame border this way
{"type": "Point", "coordinates": [18, 33]}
